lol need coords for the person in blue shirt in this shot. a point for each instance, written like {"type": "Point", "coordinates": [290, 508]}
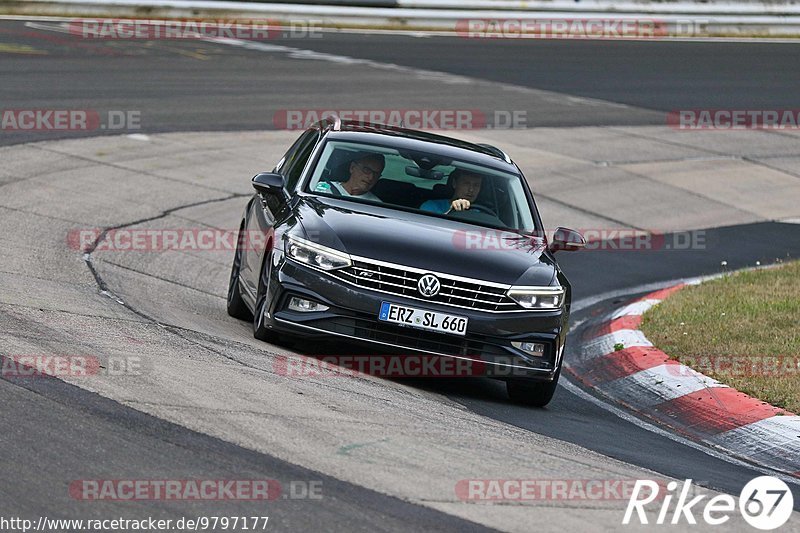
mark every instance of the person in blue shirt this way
{"type": "Point", "coordinates": [466, 187]}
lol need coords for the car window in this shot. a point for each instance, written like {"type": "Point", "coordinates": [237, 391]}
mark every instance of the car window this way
{"type": "Point", "coordinates": [289, 155]}
{"type": "Point", "coordinates": [295, 159]}
{"type": "Point", "coordinates": [416, 181]}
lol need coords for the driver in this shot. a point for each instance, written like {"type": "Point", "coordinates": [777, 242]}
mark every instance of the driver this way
{"type": "Point", "coordinates": [466, 187]}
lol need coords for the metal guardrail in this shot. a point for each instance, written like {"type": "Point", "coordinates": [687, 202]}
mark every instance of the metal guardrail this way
{"type": "Point", "coordinates": [536, 5]}
{"type": "Point", "coordinates": [687, 18]}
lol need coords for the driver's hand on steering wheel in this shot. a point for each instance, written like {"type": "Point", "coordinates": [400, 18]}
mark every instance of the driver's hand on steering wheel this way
{"type": "Point", "coordinates": [460, 205]}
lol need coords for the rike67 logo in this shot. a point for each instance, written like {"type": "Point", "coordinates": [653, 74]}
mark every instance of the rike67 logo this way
{"type": "Point", "coordinates": [765, 503]}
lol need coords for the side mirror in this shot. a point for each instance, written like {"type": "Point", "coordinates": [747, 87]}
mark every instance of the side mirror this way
{"type": "Point", "coordinates": [269, 183]}
{"type": "Point", "coordinates": [567, 239]}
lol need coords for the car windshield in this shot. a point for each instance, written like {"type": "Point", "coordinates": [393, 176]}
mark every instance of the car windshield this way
{"type": "Point", "coordinates": [424, 182]}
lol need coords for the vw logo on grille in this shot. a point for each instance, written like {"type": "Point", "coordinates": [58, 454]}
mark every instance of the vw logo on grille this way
{"type": "Point", "coordinates": [428, 285]}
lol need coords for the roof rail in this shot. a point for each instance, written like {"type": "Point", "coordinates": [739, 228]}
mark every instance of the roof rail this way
{"type": "Point", "coordinates": [496, 151]}
{"type": "Point", "coordinates": [334, 120]}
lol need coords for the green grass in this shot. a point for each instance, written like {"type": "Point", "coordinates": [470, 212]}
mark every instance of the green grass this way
{"type": "Point", "coordinates": [742, 329]}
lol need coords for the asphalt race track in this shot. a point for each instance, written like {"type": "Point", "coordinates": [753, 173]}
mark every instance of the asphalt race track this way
{"type": "Point", "coordinates": [200, 86]}
{"type": "Point", "coordinates": [211, 408]}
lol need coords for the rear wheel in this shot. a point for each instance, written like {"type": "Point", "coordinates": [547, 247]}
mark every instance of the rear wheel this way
{"type": "Point", "coordinates": [260, 330]}
{"type": "Point", "coordinates": [532, 393]}
{"type": "Point", "coordinates": [236, 306]}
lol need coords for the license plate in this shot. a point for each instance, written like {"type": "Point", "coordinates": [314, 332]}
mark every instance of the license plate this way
{"type": "Point", "coordinates": [422, 319]}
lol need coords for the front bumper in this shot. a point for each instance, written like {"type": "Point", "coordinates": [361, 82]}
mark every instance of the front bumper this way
{"type": "Point", "coordinates": [353, 313]}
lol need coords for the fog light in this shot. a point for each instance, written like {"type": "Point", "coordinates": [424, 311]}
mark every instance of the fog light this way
{"type": "Point", "coordinates": [305, 306]}
{"type": "Point", "coordinates": [532, 348]}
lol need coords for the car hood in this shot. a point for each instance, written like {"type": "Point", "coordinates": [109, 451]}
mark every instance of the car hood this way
{"type": "Point", "coordinates": [424, 242]}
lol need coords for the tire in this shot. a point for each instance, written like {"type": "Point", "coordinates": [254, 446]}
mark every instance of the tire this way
{"type": "Point", "coordinates": [260, 331]}
{"type": "Point", "coordinates": [532, 393]}
{"type": "Point", "coordinates": [236, 306]}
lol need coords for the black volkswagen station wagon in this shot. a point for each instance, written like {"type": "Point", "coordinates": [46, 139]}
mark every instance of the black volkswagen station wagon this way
{"type": "Point", "coordinates": [412, 243]}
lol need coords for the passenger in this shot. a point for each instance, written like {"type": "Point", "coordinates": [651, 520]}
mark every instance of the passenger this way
{"type": "Point", "coordinates": [364, 174]}
{"type": "Point", "coordinates": [466, 187]}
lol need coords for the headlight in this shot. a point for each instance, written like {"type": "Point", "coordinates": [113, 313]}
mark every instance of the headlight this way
{"type": "Point", "coordinates": [537, 297]}
{"type": "Point", "coordinates": [316, 255]}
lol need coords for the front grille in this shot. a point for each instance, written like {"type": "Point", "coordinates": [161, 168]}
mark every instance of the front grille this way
{"type": "Point", "coordinates": [426, 341]}
{"type": "Point", "coordinates": [403, 282]}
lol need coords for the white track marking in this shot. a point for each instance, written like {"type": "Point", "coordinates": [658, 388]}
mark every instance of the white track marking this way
{"type": "Point", "coordinates": [772, 440]}
{"type": "Point", "coordinates": [783, 429]}
{"type": "Point", "coordinates": [628, 417]}
{"type": "Point", "coordinates": [605, 344]}
{"type": "Point", "coordinates": [653, 386]}
{"type": "Point", "coordinates": [637, 308]}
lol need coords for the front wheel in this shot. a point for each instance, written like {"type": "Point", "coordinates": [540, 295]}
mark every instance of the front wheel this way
{"type": "Point", "coordinates": [260, 330]}
{"type": "Point", "coordinates": [532, 393]}
{"type": "Point", "coordinates": [236, 306]}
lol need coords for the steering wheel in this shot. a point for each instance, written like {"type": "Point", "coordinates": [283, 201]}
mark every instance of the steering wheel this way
{"type": "Point", "coordinates": [483, 209]}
